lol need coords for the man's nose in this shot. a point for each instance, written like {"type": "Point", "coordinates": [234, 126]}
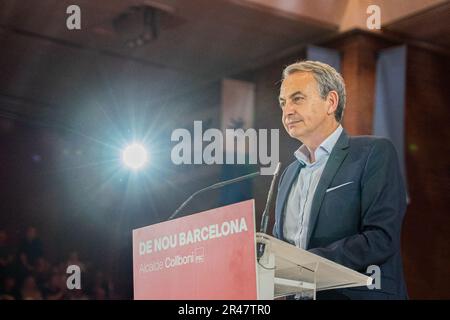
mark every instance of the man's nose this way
{"type": "Point", "coordinates": [289, 108]}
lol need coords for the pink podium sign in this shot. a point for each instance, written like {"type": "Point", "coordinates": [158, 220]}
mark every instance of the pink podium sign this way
{"type": "Point", "coordinates": [208, 255]}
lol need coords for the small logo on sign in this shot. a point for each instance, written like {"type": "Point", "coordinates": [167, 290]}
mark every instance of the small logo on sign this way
{"type": "Point", "coordinates": [199, 255]}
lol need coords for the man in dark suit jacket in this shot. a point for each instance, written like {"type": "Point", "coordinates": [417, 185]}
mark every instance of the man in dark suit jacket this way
{"type": "Point", "coordinates": [343, 198]}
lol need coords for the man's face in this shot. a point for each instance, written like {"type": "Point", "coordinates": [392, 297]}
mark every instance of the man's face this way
{"type": "Point", "coordinates": [304, 110]}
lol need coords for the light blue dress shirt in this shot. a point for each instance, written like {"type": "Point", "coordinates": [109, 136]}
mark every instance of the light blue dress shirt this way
{"type": "Point", "coordinates": [298, 207]}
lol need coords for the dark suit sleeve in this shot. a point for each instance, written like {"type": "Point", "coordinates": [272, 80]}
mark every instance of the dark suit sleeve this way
{"type": "Point", "coordinates": [383, 202]}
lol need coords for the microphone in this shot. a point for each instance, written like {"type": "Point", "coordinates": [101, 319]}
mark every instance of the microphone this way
{"type": "Point", "coordinates": [265, 215]}
{"type": "Point", "coordinates": [214, 186]}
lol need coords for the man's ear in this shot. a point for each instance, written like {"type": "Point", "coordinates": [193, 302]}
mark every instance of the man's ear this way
{"type": "Point", "coordinates": [333, 101]}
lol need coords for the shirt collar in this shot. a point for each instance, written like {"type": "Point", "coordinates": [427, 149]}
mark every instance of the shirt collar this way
{"type": "Point", "coordinates": [302, 153]}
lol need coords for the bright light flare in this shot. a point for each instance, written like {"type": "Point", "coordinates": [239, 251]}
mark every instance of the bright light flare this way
{"type": "Point", "coordinates": [134, 156]}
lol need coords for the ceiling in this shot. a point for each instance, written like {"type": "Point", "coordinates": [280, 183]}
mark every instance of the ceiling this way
{"type": "Point", "coordinates": [45, 66]}
{"type": "Point", "coordinates": [431, 26]}
{"type": "Point", "coordinates": [52, 73]}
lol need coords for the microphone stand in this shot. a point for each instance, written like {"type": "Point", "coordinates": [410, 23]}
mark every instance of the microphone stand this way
{"type": "Point", "coordinates": [212, 187]}
{"type": "Point", "coordinates": [265, 215]}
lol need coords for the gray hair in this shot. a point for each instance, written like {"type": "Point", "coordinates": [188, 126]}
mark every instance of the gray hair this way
{"type": "Point", "coordinates": [327, 78]}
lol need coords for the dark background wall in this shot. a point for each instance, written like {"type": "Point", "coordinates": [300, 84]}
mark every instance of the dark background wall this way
{"type": "Point", "coordinates": [426, 245]}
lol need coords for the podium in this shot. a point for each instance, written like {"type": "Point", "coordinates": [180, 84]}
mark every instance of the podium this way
{"type": "Point", "coordinates": [212, 255]}
{"type": "Point", "coordinates": [286, 270]}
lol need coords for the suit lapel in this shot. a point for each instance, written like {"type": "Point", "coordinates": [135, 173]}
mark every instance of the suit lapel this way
{"type": "Point", "coordinates": [283, 194]}
{"type": "Point", "coordinates": [337, 156]}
